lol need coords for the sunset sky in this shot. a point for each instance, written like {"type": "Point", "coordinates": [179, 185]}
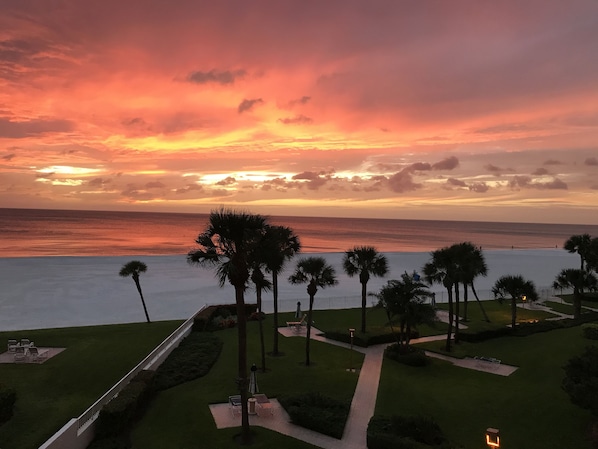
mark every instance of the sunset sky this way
{"type": "Point", "coordinates": [458, 110]}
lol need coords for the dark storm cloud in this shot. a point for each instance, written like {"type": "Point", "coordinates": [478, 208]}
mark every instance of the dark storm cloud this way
{"type": "Point", "coordinates": [303, 100]}
{"type": "Point", "coordinates": [214, 76]}
{"type": "Point", "coordinates": [591, 161]}
{"type": "Point", "coordinates": [492, 168]}
{"type": "Point", "coordinates": [540, 171]}
{"type": "Point", "coordinates": [526, 182]}
{"type": "Point", "coordinates": [421, 166]}
{"type": "Point", "coordinates": [97, 182]}
{"type": "Point", "coordinates": [154, 185]}
{"type": "Point", "coordinates": [456, 182]}
{"type": "Point", "coordinates": [20, 130]}
{"type": "Point", "coordinates": [316, 180]}
{"type": "Point", "coordinates": [298, 119]}
{"type": "Point", "coordinates": [9, 156]}
{"type": "Point", "coordinates": [226, 181]}
{"type": "Point", "coordinates": [449, 163]}
{"type": "Point", "coordinates": [402, 182]}
{"type": "Point", "coordinates": [479, 187]}
{"type": "Point", "coordinates": [247, 105]}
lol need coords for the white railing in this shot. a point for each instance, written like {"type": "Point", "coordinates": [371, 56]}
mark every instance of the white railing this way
{"type": "Point", "coordinates": [66, 437]}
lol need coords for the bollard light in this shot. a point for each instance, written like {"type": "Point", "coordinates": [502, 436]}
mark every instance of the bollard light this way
{"type": "Point", "coordinates": [492, 437]}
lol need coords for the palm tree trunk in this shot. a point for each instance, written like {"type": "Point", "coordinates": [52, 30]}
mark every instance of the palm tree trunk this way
{"type": "Point", "coordinates": [142, 300]}
{"type": "Point", "coordinates": [275, 316]}
{"type": "Point", "coordinates": [465, 298]}
{"type": "Point", "coordinates": [392, 328]}
{"type": "Point", "coordinates": [242, 362]}
{"type": "Point", "coordinates": [576, 303]}
{"type": "Point", "coordinates": [363, 304]}
{"type": "Point", "coordinates": [261, 327]}
{"type": "Point", "coordinates": [480, 303]}
{"type": "Point", "coordinates": [308, 335]}
{"type": "Point", "coordinates": [513, 312]}
{"type": "Point", "coordinates": [450, 319]}
{"type": "Point", "coordinates": [457, 316]}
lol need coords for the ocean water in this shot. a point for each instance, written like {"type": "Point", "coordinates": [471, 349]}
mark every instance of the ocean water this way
{"type": "Point", "coordinates": [36, 233]}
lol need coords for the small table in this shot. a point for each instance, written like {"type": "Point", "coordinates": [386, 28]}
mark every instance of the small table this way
{"type": "Point", "coordinates": [251, 406]}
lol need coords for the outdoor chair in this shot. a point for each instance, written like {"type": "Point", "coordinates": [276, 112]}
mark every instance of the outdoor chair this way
{"type": "Point", "coordinates": [20, 355]}
{"type": "Point", "coordinates": [12, 345]}
{"type": "Point", "coordinates": [263, 402]}
{"type": "Point", "coordinates": [25, 342]}
{"type": "Point", "coordinates": [36, 355]}
{"type": "Point", "coordinates": [298, 324]}
{"type": "Point", "coordinates": [234, 403]}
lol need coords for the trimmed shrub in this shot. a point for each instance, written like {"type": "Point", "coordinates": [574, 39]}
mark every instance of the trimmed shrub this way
{"type": "Point", "coordinates": [193, 358]}
{"type": "Point", "coordinates": [365, 341]}
{"type": "Point", "coordinates": [404, 432]}
{"type": "Point", "coordinates": [317, 412]}
{"type": "Point", "coordinates": [8, 397]}
{"type": "Point", "coordinates": [590, 331]}
{"type": "Point", "coordinates": [117, 415]}
{"type": "Point", "coordinates": [407, 355]}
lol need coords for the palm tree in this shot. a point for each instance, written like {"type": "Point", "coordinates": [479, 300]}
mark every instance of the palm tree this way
{"type": "Point", "coordinates": [261, 284]}
{"type": "Point", "coordinates": [366, 261]}
{"type": "Point", "coordinates": [133, 269]}
{"type": "Point", "coordinates": [440, 270]}
{"type": "Point", "coordinates": [473, 264]}
{"type": "Point", "coordinates": [578, 280]}
{"type": "Point", "coordinates": [579, 244]}
{"type": "Point", "coordinates": [280, 245]}
{"type": "Point", "coordinates": [592, 255]}
{"type": "Point", "coordinates": [228, 243]}
{"type": "Point", "coordinates": [517, 288]}
{"type": "Point", "coordinates": [405, 298]}
{"type": "Point", "coordinates": [317, 273]}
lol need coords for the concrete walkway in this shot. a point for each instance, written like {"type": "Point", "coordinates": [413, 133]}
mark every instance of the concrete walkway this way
{"type": "Point", "coordinates": [363, 404]}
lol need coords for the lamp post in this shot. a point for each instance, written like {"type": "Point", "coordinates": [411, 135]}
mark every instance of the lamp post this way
{"type": "Point", "coordinates": [351, 334]}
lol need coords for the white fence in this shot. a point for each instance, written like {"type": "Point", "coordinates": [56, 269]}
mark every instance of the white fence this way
{"type": "Point", "coordinates": [79, 432]}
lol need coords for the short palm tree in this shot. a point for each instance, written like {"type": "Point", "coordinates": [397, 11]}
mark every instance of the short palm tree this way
{"type": "Point", "coordinates": [578, 280]}
{"type": "Point", "coordinates": [579, 244]}
{"type": "Point", "coordinates": [229, 243]}
{"type": "Point", "coordinates": [133, 269]}
{"type": "Point", "coordinates": [316, 273]}
{"type": "Point", "coordinates": [472, 264]}
{"type": "Point", "coordinates": [517, 289]}
{"type": "Point", "coordinates": [365, 261]}
{"type": "Point", "coordinates": [280, 244]}
{"type": "Point", "coordinates": [405, 299]}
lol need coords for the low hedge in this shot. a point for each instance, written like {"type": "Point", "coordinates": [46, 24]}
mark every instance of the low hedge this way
{"type": "Point", "coordinates": [317, 412]}
{"type": "Point", "coordinates": [8, 397]}
{"type": "Point", "coordinates": [404, 432]}
{"type": "Point", "coordinates": [193, 358]}
{"type": "Point", "coordinates": [590, 331]}
{"type": "Point", "coordinates": [213, 317]}
{"type": "Point", "coordinates": [407, 355]}
{"type": "Point", "coordinates": [364, 340]}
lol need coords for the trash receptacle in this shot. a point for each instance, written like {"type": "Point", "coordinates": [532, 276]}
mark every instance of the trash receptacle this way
{"type": "Point", "coordinates": [251, 406]}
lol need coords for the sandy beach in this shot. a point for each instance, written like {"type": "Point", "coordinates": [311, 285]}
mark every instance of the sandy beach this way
{"type": "Point", "coordinates": [47, 292]}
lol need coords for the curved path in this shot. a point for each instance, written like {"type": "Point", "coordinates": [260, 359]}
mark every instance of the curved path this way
{"type": "Point", "coordinates": [363, 404]}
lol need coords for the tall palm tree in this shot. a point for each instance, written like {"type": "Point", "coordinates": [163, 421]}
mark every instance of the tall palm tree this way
{"type": "Point", "coordinates": [440, 270]}
{"type": "Point", "coordinates": [316, 273]}
{"type": "Point", "coordinates": [228, 243]}
{"type": "Point", "coordinates": [579, 244]}
{"type": "Point", "coordinates": [472, 264]}
{"type": "Point", "coordinates": [516, 288]}
{"type": "Point", "coordinates": [578, 280]}
{"type": "Point", "coordinates": [592, 255]}
{"type": "Point", "coordinates": [133, 269]}
{"type": "Point", "coordinates": [261, 284]}
{"type": "Point", "coordinates": [405, 298]}
{"type": "Point", "coordinates": [366, 261]}
{"type": "Point", "coordinates": [280, 244]}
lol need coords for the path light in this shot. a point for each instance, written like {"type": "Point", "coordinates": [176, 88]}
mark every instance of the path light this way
{"type": "Point", "coordinates": [492, 437]}
{"type": "Point", "coordinates": [351, 334]}
{"type": "Point", "coordinates": [523, 298]}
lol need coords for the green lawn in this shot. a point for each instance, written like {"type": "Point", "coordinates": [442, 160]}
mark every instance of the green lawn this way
{"type": "Point", "coordinates": [63, 387]}
{"type": "Point", "coordinates": [529, 407]}
{"type": "Point", "coordinates": [180, 417]}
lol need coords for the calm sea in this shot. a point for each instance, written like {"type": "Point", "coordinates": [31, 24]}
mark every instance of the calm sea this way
{"type": "Point", "coordinates": [32, 233]}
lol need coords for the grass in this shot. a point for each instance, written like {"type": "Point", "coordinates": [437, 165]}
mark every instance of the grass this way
{"type": "Point", "coordinates": [63, 387]}
{"type": "Point", "coordinates": [529, 407]}
{"type": "Point", "coordinates": [562, 307]}
{"type": "Point", "coordinates": [179, 417]}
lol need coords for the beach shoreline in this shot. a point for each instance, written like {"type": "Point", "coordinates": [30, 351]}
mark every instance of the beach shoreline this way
{"type": "Point", "coordinates": [65, 291]}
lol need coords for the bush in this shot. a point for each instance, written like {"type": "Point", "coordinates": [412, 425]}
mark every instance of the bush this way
{"type": "Point", "coordinates": [590, 331]}
{"type": "Point", "coordinates": [117, 415]}
{"type": "Point", "coordinates": [8, 397]}
{"type": "Point", "coordinates": [115, 442]}
{"type": "Point", "coordinates": [193, 358]}
{"type": "Point", "coordinates": [405, 432]}
{"type": "Point", "coordinates": [317, 412]}
{"type": "Point", "coordinates": [407, 355]}
{"type": "Point", "coordinates": [364, 341]}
